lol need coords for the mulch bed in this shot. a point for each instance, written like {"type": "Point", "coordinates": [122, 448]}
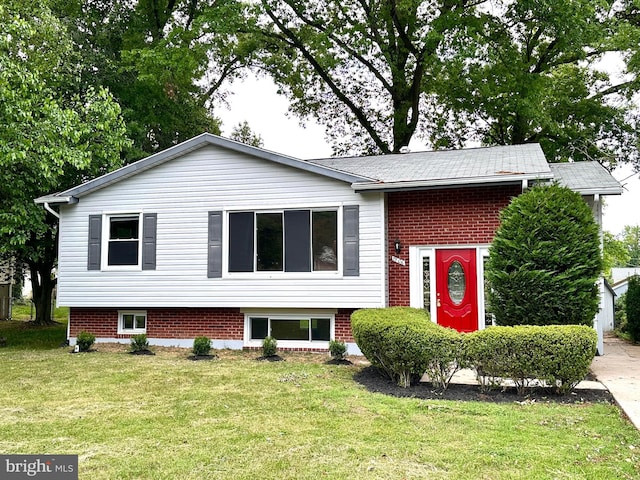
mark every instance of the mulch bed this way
{"type": "Point", "coordinates": [196, 358]}
{"type": "Point", "coordinates": [141, 352]}
{"type": "Point", "coordinates": [271, 358]}
{"type": "Point", "coordinates": [335, 361]}
{"type": "Point", "coordinates": [376, 382]}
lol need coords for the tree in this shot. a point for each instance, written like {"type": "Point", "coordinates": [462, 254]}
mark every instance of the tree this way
{"type": "Point", "coordinates": [630, 238]}
{"type": "Point", "coordinates": [545, 260]}
{"type": "Point", "coordinates": [242, 133]}
{"type": "Point", "coordinates": [52, 136]}
{"type": "Point", "coordinates": [632, 308]}
{"type": "Point", "coordinates": [359, 67]}
{"type": "Point", "coordinates": [164, 61]}
{"type": "Point", "coordinates": [377, 73]}
{"type": "Point", "coordinates": [527, 76]}
{"type": "Point", "coordinates": [615, 254]}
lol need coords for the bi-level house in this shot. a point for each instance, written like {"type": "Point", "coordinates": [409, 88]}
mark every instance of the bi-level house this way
{"type": "Point", "coordinates": [213, 237]}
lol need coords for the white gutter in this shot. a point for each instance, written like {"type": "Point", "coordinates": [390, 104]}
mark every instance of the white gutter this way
{"type": "Point", "coordinates": [450, 182]}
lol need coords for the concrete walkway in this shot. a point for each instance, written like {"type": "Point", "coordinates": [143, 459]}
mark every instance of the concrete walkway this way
{"type": "Point", "coordinates": [619, 370]}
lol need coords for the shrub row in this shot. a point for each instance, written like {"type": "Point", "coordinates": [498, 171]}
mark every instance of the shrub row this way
{"type": "Point", "coordinates": [405, 345]}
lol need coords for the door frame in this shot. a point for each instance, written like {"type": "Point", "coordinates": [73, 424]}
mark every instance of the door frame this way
{"type": "Point", "coordinates": [419, 252]}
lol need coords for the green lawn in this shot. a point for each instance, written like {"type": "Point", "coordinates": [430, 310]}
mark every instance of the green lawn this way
{"type": "Point", "coordinates": [166, 417]}
{"type": "Point", "coordinates": [20, 333]}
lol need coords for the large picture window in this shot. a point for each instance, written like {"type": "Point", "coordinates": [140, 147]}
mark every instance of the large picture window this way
{"type": "Point", "coordinates": [283, 241]}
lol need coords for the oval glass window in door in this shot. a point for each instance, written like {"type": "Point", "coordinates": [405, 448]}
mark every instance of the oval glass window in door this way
{"type": "Point", "coordinates": [456, 282]}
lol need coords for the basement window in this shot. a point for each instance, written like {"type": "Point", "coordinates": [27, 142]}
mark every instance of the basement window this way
{"type": "Point", "coordinates": [134, 322]}
{"type": "Point", "coordinates": [292, 331]}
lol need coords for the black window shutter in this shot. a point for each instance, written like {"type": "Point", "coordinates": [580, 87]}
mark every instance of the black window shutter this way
{"type": "Point", "coordinates": [351, 240]}
{"type": "Point", "coordinates": [297, 241]}
{"type": "Point", "coordinates": [214, 253]}
{"type": "Point", "coordinates": [241, 233]}
{"type": "Point", "coordinates": [149, 228]}
{"type": "Point", "coordinates": [95, 239]}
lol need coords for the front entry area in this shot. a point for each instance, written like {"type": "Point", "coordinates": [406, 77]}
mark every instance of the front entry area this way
{"type": "Point", "coordinates": [449, 283]}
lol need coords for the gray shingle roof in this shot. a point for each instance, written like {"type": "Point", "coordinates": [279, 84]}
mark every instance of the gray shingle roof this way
{"type": "Point", "coordinates": [513, 163]}
{"type": "Point", "coordinates": [586, 178]}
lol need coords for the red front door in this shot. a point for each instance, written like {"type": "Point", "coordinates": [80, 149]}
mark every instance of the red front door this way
{"type": "Point", "coordinates": [457, 289]}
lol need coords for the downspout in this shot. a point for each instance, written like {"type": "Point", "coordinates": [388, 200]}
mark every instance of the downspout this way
{"type": "Point", "coordinates": [51, 210]}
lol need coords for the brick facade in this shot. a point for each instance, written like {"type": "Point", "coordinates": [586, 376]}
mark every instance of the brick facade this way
{"type": "Point", "coordinates": [456, 216]}
{"type": "Point", "coordinates": [183, 323]}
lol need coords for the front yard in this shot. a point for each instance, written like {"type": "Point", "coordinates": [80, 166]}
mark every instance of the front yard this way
{"type": "Point", "coordinates": [166, 417]}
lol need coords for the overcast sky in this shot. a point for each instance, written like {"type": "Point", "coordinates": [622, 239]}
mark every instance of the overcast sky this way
{"type": "Point", "coordinates": [257, 102]}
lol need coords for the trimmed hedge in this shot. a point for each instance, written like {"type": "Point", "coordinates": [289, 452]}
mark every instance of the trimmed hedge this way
{"type": "Point", "coordinates": [559, 355]}
{"type": "Point", "coordinates": [405, 344]}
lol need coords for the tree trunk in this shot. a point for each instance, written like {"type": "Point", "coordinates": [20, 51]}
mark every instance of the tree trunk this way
{"type": "Point", "coordinates": [42, 285]}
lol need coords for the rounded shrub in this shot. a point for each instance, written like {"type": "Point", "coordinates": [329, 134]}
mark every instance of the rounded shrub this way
{"type": "Point", "coordinates": [201, 346]}
{"type": "Point", "coordinates": [405, 344]}
{"type": "Point", "coordinates": [545, 260]}
{"type": "Point", "coordinates": [85, 341]}
{"type": "Point", "coordinates": [269, 347]}
{"type": "Point", "coordinates": [632, 308]}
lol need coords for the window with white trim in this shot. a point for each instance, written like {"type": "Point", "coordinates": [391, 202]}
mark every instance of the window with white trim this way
{"type": "Point", "coordinates": [123, 240]}
{"type": "Point", "coordinates": [131, 321]}
{"type": "Point", "coordinates": [287, 329]}
{"type": "Point", "coordinates": [283, 241]}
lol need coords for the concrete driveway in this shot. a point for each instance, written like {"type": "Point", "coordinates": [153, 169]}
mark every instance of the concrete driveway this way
{"type": "Point", "coordinates": [619, 370]}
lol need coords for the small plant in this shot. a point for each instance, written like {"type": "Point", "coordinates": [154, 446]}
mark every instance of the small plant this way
{"type": "Point", "coordinates": [139, 343]}
{"type": "Point", "coordinates": [85, 340]}
{"type": "Point", "coordinates": [201, 346]}
{"type": "Point", "coordinates": [269, 347]}
{"type": "Point", "coordinates": [337, 349]}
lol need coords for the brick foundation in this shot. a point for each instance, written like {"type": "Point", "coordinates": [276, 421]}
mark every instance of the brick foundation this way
{"type": "Point", "coordinates": [182, 323]}
{"type": "Point", "coordinates": [457, 216]}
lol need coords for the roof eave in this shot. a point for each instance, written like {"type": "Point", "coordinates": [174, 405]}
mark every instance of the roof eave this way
{"type": "Point", "coordinates": [56, 199]}
{"type": "Point", "coordinates": [600, 191]}
{"type": "Point", "coordinates": [451, 182]}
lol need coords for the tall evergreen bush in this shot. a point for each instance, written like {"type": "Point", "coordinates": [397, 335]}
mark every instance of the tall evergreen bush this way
{"type": "Point", "coordinates": [545, 260]}
{"type": "Point", "coordinates": [632, 308]}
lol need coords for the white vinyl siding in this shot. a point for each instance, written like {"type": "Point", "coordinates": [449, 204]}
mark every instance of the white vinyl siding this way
{"type": "Point", "coordinates": [182, 192]}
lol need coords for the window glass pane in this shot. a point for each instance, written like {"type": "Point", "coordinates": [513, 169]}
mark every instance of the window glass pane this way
{"type": "Point", "coordinates": [325, 240]}
{"type": "Point", "coordinates": [269, 239]}
{"type": "Point", "coordinates": [123, 228]}
{"type": "Point", "coordinates": [290, 329]}
{"type": "Point", "coordinates": [141, 321]}
{"type": "Point", "coordinates": [241, 234]}
{"type": "Point", "coordinates": [489, 317]}
{"type": "Point", "coordinates": [259, 328]}
{"type": "Point", "coordinates": [123, 252]}
{"type": "Point", "coordinates": [127, 322]}
{"type": "Point", "coordinates": [426, 284]}
{"type": "Point", "coordinates": [321, 329]}
{"type": "Point", "coordinates": [456, 282]}
{"type": "Point", "coordinates": [297, 241]}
